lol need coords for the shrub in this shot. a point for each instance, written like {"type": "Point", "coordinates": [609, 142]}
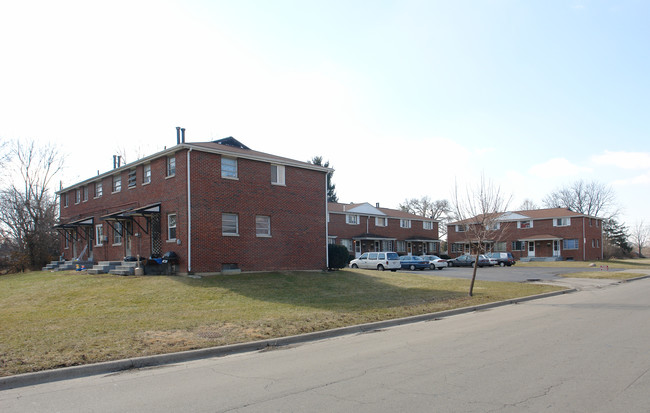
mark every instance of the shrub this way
{"type": "Point", "coordinates": [338, 256]}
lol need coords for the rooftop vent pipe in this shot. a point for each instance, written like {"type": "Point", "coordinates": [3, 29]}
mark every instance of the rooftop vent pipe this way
{"type": "Point", "coordinates": [178, 135]}
{"type": "Point", "coordinates": [117, 161]}
{"type": "Point", "coordinates": [183, 135]}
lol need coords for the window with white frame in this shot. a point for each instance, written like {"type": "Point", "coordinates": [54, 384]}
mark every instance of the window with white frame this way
{"type": "Point", "coordinates": [387, 245]}
{"type": "Point", "coordinates": [331, 240]}
{"type": "Point", "coordinates": [493, 226]}
{"type": "Point", "coordinates": [405, 223]}
{"type": "Point", "coordinates": [77, 196]}
{"type": "Point", "coordinates": [499, 246]}
{"type": "Point", "coordinates": [352, 219]}
{"type": "Point", "coordinates": [277, 174]}
{"type": "Point", "coordinates": [228, 167]}
{"type": "Point", "coordinates": [66, 240]}
{"type": "Point", "coordinates": [562, 222]}
{"type": "Point", "coordinates": [171, 165]}
{"type": "Point", "coordinates": [117, 183]}
{"type": "Point", "coordinates": [525, 224]}
{"type": "Point", "coordinates": [381, 221]}
{"type": "Point", "coordinates": [461, 228]}
{"type": "Point", "coordinates": [347, 243]}
{"type": "Point", "coordinates": [229, 224]}
{"type": "Point", "coordinates": [117, 233]}
{"type": "Point", "coordinates": [401, 246]}
{"type": "Point", "coordinates": [99, 190]}
{"type": "Point", "coordinates": [570, 244]}
{"type": "Point", "coordinates": [85, 193]}
{"type": "Point", "coordinates": [146, 174]}
{"type": "Point", "coordinates": [262, 226]}
{"type": "Point", "coordinates": [519, 245]}
{"type": "Point", "coordinates": [457, 247]}
{"type": "Point", "coordinates": [427, 224]}
{"type": "Point", "coordinates": [171, 227]}
{"type": "Point", "coordinates": [99, 235]}
{"type": "Point", "coordinates": [64, 200]}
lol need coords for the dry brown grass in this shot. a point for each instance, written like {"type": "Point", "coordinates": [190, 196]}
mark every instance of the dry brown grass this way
{"type": "Point", "coordinates": [61, 319]}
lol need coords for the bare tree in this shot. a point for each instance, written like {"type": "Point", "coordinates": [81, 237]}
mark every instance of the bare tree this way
{"type": "Point", "coordinates": [438, 210]}
{"type": "Point", "coordinates": [528, 205]}
{"type": "Point", "coordinates": [479, 208]}
{"type": "Point", "coordinates": [640, 236]}
{"type": "Point", "coordinates": [27, 205]}
{"type": "Point", "coordinates": [590, 198]}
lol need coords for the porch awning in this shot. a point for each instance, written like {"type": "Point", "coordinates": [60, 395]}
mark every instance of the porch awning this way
{"type": "Point", "coordinates": [115, 216]}
{"type": "Point", "coordinates": [422, 240]}
{"type": "Point", "coordinates": [543, 237]}
{"type": "Point", "coordinates": [144, 211]}
{"type": "Point", "coordinates": [78, 223]}
{"type": "Point", "coordinates": [372, 237]}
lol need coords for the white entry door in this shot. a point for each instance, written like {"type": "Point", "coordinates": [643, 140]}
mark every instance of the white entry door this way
{"type": "Point", "coordinates": [556, 248]}
{"type": "Point", "coordinates": [531, 248]}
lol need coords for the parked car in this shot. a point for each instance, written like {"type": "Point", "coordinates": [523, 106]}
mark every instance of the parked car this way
{"type": "Point", "coordinates": [468, 261]}
{"type": "Point", "coordinates": [486, 258]}
{"type": "Point", "coordinates": [412, 262]}
{"type": "Point", "coordinates": [377, 260]}
{"type": "Point", "coordinates": [435, 261]}
{"type": "Point", "coordinates": [503, 258]}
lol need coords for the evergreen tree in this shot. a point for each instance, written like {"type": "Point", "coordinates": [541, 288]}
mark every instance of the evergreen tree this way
{"type": "Point", "coordinates": [615, 238]}
{"type": "Point", "coordinates": [331, 188]}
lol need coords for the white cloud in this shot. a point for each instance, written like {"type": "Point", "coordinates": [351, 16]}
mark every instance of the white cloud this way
{"type": "Point", "coordinates": [622, 159]}
{"type": "Point", "coordinates": [637, 180]}
{"type": "Point", "coordinates": [557, 167]}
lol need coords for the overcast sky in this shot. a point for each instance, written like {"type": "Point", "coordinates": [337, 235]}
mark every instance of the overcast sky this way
{"type": "Point", "coordinates": [402, 97]}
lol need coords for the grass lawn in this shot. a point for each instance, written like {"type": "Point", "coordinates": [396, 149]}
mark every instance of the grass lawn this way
{"type": "Point", "coordinates": [57, 319]}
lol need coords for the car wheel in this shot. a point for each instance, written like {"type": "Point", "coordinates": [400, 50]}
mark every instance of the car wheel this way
{"type": "Point", "coordinates": [432, 266]}
{"type": "Point", "coordinates": [412, 267]}
{"type": "Point", "coordinates": [355, 266]}
{"type": "Point", "coordinates": [503, 264]}
{"type": "Point", "coordinates": [393, 270]}
{"type": "Point", "coordinates": [440, 268]}
{"type": "Point", "coordinates": [380, 267]}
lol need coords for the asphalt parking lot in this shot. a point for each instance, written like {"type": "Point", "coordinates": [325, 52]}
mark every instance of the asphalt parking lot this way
{"type": "Point", "coordinates": [512, 274]}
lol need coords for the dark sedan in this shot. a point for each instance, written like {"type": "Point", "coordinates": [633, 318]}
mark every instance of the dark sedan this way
{"type": "Point", "coordinates": [468, 261]}
{"type": "Point", "coordinates": [411, 262]}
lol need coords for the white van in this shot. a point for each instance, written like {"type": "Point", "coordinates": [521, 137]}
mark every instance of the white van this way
{"type": "Point", "coordinates": [377, 260]}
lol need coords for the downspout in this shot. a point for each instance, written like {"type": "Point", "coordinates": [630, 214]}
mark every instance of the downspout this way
{"type": "Point", "coordinates": [189, 216]}
{"type": "Point", "coordinates": [327, 230]}
{"type": "Point", "coordinates": [584, 241]}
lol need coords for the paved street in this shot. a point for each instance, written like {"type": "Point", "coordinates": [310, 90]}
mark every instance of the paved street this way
{"type": "Point", "coordinates": [512, 274]}
{"type": "Point", "coordinates": [580, 352]}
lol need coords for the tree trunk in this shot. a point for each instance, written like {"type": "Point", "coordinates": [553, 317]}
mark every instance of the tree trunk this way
{"type": "Point", "coordinates": [471, 284]}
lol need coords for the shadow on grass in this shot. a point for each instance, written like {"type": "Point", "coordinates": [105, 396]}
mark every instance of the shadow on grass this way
{"type": "Point", "coordinates": [335, 291]}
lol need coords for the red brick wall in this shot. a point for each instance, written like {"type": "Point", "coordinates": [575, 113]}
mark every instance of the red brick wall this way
{"type": "Point", "coordinates": [509, 232]}
{"type": "Point", "coordinates": [338, 227]}
{"type": "Point", "coordinates": [297, 211]}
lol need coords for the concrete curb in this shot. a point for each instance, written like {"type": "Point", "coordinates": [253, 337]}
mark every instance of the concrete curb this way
{"type": "Point", "coordinates": [66, 373]}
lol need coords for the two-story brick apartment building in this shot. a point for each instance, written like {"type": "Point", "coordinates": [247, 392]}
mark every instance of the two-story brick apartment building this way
{"type": "Point", "coordinates": [217, 205]}
{"type": "Point", "coordinates": [363, 227]}
{"type": "Point", "coordinates": [555, 233]}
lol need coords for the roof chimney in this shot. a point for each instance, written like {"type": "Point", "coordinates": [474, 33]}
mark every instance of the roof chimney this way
{"type": "Point", "coordinates": [183, 135]}
{"type": "Point", "coordinates": [178, 135]}
{"type": "Point", "coordinates": [377, 204]}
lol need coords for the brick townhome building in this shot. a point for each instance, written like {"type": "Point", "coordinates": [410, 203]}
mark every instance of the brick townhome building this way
{"type": "Point", "coordinates": [555, 233]}
{"type": "Point", "coordinates": [363, 227]}
{"type": "Point", "coordinates": [218, 205]}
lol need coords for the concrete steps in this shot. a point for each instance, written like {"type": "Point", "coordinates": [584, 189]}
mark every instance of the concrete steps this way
{"type": "Point", "coordinates": [125, 268]}
{"type": "Point", "coordinates": [103, 267]}
{"type": "Point", "coordinates": [543, 259]}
